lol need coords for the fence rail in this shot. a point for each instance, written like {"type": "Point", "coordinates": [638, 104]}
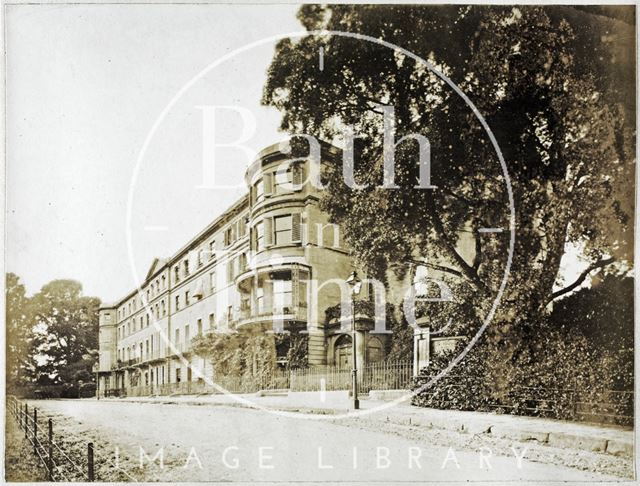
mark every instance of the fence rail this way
{"type": "Point", "coordinates": [379, 376]}
{"type": "Point", "coordinates": [603, 406]}
{"type": "Point", "coordinates": [59, 465]}
{"type": "Point", "coordinates": [608, 406]}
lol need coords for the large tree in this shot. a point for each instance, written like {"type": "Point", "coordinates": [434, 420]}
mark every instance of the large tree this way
{"type": "Point", "coordinates": [552, 84]}
{"type": "Point", "coordinates": [66, 330]}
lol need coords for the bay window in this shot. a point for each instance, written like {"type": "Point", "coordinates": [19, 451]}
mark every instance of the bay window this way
{"type": "Point", "coordinates": [282, 295]}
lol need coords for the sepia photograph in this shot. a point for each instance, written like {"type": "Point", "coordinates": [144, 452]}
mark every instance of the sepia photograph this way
{"type": "Point", "coordinates": [342, 243]}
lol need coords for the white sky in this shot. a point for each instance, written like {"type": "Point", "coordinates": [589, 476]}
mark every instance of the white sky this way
{"type": "Point", "coordinates": [85, 83]}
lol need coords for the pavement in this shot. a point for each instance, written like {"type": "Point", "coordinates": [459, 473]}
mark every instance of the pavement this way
{"type": "Point", "coordinates": [613, 440]}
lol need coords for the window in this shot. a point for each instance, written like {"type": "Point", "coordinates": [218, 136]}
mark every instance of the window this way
{"type": "Point", "coordinates": [178, 370]}
{"type": "Point", "coordinates": [283, 229]}
{"type": "Point", "coordinates": [229, 235]}
{"type": "Point", "coordinates": [200, 257]}
{"type": "Point", "coordinates": [282, 291]}
{"type": "Point", "coordinates": [176, 343]}
{"type": "Point", "coordinates": [259, 190]}
{"type": "Point", "coordinates": [186, 267]}
{"type": "Point", "coordinates": [186, 335]}
{"type": "Point", "coordinates": [177, 302]}
{"type": "Point", "coordinates": [268, 184]}
{"type": "Point", "coordinates": [212, 321]}
{"type": "Point", "coordinates": [242, 262]}
{"type": "Point", "coordinates": [245, 302]}
{"type": "Point", "coordinates": [259, 236]}
{"type": "Point", "coordinates": [147, 320]}
{"type": "Point", "coordinates": [164, 309]}
{"type": "Point", "coordinates": [242, 227]}
{"type": "Point", "coordinates": [199, 327]}
{"type": "Point", "coordinates": [230, 266]}
{"type": "Point", "coordinates": [284, 181]}
{"type": "Point", "coordinates": [176, 272]}
{"type": "Point", "coordinates": [229, 313]}
{"type": "Point", "coordinates": [141, 322]}
{"type": "Point", "coordinates": [212, 249]}
{"type": "Point", "coordinates": [260, 300]}
{"type": "Point", "coordinates": [186, 298]}
{"type": "Point", "coordinates": [212, 281]}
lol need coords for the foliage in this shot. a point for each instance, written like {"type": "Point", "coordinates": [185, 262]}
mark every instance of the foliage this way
{"type": "Point", "coordinates": [66, 328]}
{"type": "Point", "coordinates": [19, 331]}
{"type": "Point", "coordinates": [464, 388]}
{"type": "Point", "coordinates": [52, 337]}
{"type": "Point", "coordinates": [223, 350]}
{"type": "Point", "coordinates": [297, 346]}
{"type": "Point", "coordinates": [561, 120]}
{"type": "Point", "coordinates": [249, 353]}
{"type": "Point", "coordinates": [563, 368]}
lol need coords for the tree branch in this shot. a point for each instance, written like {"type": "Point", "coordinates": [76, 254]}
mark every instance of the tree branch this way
{"type": "Point", "coordinates": [441, 268]}
{"type": "Point", "coordinates": [599, 264]}
{"type": "Point", "coordinates": [467, 270]}
{"type": "Point", "coordinates": [478, 256]}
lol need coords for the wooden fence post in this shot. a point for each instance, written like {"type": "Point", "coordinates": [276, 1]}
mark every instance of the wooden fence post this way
{"type": "Point", "coordinates": [90, 472]}
{"type": "Point", "coordinates": [26, 420]}
{"type": "Point", "coordinates": [35, 430]}
{"type": "Point", "coordinates": [50, 450]}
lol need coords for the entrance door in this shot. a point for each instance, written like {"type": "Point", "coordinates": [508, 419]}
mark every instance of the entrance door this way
{"type": "Point", "coordinates": [343, 352]}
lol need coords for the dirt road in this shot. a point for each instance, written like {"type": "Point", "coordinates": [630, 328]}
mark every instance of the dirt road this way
{"type": "Point", "coordinates": [220, 443]}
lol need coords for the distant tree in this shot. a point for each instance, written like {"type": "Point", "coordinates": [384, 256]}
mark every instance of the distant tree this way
{"type": "Point", "coordinates": [19, 331]}
{"type": "Point", "coordinates": [65, 330]}
{"type": "Point", "coordinates": [602, 313]}
{"type": "Point", "coordinates": [560, 124]}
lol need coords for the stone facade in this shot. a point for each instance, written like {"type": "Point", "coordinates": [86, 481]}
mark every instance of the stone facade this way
{"type": "Point", "coordinates": [271, 261]}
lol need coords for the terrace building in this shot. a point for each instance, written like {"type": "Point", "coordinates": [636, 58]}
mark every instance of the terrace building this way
{"type": "Point", "coordinates": [272, 259]}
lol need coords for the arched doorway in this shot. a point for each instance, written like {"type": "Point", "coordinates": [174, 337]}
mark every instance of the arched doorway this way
{"type": "Point", "coordinates": [343, 352]}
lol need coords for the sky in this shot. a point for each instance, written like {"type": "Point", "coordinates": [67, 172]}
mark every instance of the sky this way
{"type": "Point", "coordinates": [85, 85]}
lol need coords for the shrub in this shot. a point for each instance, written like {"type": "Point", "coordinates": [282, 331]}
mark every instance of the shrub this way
{"type": "Point", "coordinates": [555, 374]}
{"type": "Point", "coordinates": [465, 387]}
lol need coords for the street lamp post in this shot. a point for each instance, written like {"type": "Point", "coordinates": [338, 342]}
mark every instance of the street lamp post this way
{"type": "Point", "coordinates": [355, 283]}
